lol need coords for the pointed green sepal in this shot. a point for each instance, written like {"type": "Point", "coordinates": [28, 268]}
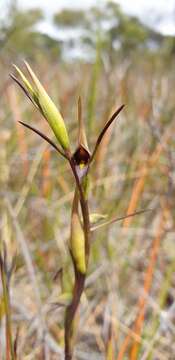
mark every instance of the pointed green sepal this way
{"type": "Point", "coordinates": [50, 111]}
{"type": "Point", "coordinates": [27, 84]}
{"type": "Point", "coordinates": [40, 98]}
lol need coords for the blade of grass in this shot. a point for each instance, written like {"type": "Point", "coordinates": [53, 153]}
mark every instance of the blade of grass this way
{"type": "Point", "coordinates": [46, 183]}
{"type": "Point", "coordinates": [28, 182]}
{"type": "Point", "coordinates": [147, 286]}
{"type": "Point", "coordinates": [149, 273]}
{"type": "Point", "coordinates": [106, 223]}
{"type": "Point", "coordinates": [15, 109]}
{"type": "Point", "coordinates": [145, 169]}
{"type": "Point", "coordinates": [10, 355]}
{"type": "Point", "coordinates": [30, 266]}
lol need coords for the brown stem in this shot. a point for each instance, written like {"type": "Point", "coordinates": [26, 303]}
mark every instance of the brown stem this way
{"type": "Point", "coordinates": [79, 277]}
{"type": "Point", "coordinates": [71, 313]}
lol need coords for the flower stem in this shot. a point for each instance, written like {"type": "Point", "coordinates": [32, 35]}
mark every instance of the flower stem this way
{"type": "Point", "coordinates": [71, 311]}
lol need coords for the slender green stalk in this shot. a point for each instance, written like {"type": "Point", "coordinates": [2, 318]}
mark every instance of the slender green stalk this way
{"type": "Point", "coordinates": [6, 298]}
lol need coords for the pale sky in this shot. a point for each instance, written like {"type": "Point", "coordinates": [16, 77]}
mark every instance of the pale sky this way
{"type": "Point", "coordinates": [163, 11]}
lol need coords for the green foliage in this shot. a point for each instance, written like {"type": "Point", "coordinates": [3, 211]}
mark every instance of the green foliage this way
{"type": "Point", "coordinates": [70, 18]}
{"type": "Point", "coordinates": [120, 34]}
{"type": "Point", "coordinates": [118, 31]}
{"type": "Point", "coordinates": [19, 35]}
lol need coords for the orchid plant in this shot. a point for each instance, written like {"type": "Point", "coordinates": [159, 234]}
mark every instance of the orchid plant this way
{"type": "Point", "coordinates": [80, 163]}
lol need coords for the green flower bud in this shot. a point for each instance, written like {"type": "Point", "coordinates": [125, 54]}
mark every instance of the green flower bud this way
{"type": "Point", "coordinates": [77, 238]}
{"type": "Point", "coordinates": [49, 111]}
{"type": "Point", "coordinates": [77, 244]}
{"type": "Point", "coordinates": [46, 106]}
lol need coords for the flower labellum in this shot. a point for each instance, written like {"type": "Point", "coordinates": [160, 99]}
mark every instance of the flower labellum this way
{"type": "Point", "coordinates": [81, 159]}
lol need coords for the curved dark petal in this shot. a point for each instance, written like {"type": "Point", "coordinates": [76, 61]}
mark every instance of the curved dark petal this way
{"type": "Point", "coordinates": [109, 122]}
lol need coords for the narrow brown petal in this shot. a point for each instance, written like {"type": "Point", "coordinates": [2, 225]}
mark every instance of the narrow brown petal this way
{"type": "Point", "coordinates": [23, 89]}
{"type": "Point", "coordinates": [43, 137]}
{"type": "Point", "coordinates": [109, 122]}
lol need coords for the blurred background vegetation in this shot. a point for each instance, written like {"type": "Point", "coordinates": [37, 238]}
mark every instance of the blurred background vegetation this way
{"type": "Point", "coordinates": [109, 58]}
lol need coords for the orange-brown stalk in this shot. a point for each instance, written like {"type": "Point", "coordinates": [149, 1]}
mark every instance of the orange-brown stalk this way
{"type": "Point", "coordinates": [13, 101]}
{"type": "Point", "coordinates": [139, 183]}
{"type": "Point", "coordinates": [147, 286]}
{"type": "Point", "coordinates": [46, 185]}
{"type": "Point", "coordinates": [124, 347]}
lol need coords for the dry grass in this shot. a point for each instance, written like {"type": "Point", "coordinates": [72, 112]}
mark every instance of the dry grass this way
{"type": "Point", "coordinates": [130, 261]}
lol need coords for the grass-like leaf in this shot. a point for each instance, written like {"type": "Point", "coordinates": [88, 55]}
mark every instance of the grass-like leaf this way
{"type": "Point", "coordinates": [106, 223]}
